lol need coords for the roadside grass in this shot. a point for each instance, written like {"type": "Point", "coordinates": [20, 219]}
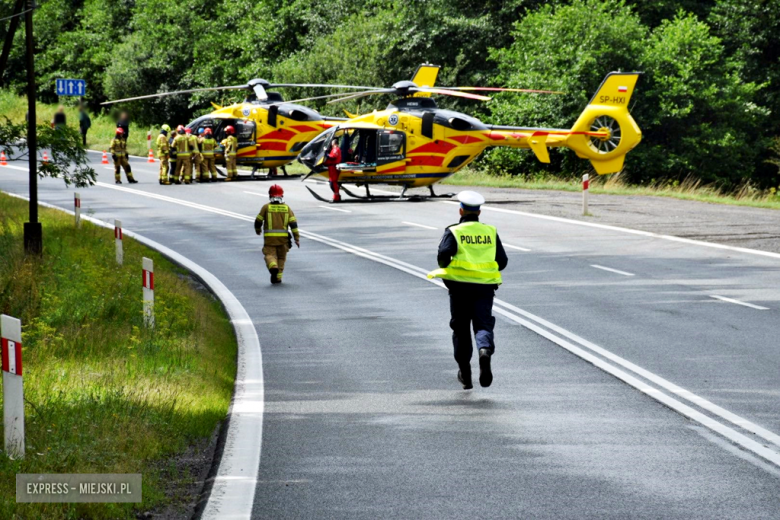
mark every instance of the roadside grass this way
{"type": "Point", "coordinates": [99, 135]}
{"type": "Point", "coordinates": [690, 189]}
{"type": "Point", "coordinates": [103, 394]}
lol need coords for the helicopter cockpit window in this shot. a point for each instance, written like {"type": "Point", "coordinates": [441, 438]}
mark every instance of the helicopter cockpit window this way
{"type": "Point", "coordinates": [390, 146]}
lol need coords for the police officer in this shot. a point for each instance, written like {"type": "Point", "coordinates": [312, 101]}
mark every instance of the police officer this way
{"type": "Point", "coordinates": [272, 221]}
{"type": "Point", "coordinates": [183, 162]}
{"type": "Point", "coordinates": [230, 146]}
{"type": "Point", "coordinates": [118, 149]}
{"type": "Point", "coordinates": [163, 153]}
{"type": "Point", "coordinates": [207, 146]}
{"type": "Point", "coordinates": [470, 258]}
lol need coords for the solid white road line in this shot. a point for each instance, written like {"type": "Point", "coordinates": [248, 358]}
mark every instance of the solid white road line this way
{"type": "Point", "coordinates": [418, 225]}
{"type": "Point", "coordinates": [611, 270]}
{"type": "Point", "coordinates": [516, 247]}
{"type": "Point", "coordinates": [672, 238]}
{"type": "Point", "coordinates": [733, 435]}
{"type": "Point", "coordinates": [256, 193]}
{"type": "Point", "coordinates": [335, 209]}
{"type": "Point", "coordinates": [745, 304]}
{"type": "Point", "coordinates": [233, 490]}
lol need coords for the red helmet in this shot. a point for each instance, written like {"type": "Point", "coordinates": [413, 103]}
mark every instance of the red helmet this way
{"type": "Point", "coordinates": [188, 130]}
{"type": "Point", "coordinates": [275, 191]}
{"type": "Point", "coordinates": [207, 131]}
{"type": "Point", "coordinates": [230, 130]}
{"type": "Point", "coordinates": [179, 128]}
{"type": "Point", "coordinates": [120, 131]}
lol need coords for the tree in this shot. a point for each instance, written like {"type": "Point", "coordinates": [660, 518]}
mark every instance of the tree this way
{"type": "Point", "coordinates": [68, 159]}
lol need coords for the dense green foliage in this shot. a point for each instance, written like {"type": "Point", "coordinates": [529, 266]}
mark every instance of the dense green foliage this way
{"type": "Point", "coordinates": [707, 104]}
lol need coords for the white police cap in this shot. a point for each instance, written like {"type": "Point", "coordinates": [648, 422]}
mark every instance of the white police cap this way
{"type": "Point", "coordinates": [470, 200]}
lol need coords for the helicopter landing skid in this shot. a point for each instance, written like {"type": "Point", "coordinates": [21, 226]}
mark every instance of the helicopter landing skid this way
{"type": "Point", "coordinates": [370, 197]}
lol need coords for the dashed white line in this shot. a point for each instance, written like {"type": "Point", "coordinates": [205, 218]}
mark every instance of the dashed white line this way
{"type": "Point", "coordinates": [744, 304]}
{"type": "Point", "coordinates": [616, 271]}
{"type": "Point", "coordinates": [335, 209]}
{"type": "Point", "coordinates": [516, 247]}
{"type": "Point", "coordinates": [418, 225]}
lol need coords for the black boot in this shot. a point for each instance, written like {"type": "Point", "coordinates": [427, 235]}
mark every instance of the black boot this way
{"type": "Point", "coordinates": [485, 373]}
{"type": "Point", "coordinates": [464, 376]}
{"type": "Point", "coordinates": [274, 275]}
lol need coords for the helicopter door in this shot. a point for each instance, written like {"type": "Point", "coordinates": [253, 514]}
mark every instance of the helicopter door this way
{"type": "Point", "coordinates": [245, 133]}
{"type": "Point", "coordinates": [391, 146]}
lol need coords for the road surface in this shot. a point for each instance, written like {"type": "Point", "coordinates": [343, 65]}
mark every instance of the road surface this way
{"type": "Point", "coordinates": [636, 376]}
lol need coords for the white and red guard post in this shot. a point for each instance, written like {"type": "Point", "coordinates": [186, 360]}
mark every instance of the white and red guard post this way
{"type": "Point", "coordinates": [585, 186]}
{"type": "Point", "coordinates": [148, 283]}
{"type": "Point", "coordinates": [13, 389]}
{"type": "Point", "coordinates": [120, 254]}
{"type": "Point", "coordinates": [77, 208]}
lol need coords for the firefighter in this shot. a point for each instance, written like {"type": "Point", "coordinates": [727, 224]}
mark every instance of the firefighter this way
{"type": "Point", "coordinates": [230, 145]}
{"type": "Point", "coordinates": [197, 159]}
{"type": "Point", "coordinates": [183, 160]}
{"type": "Point", "coordinates": [272, 221]}
{"type": "Point", "coordinates": [470, 258]}
{"type": "Point", "coordinates": [332, 159]}
{"type": "Point", "coordinates": [207, 146]}
{"type": "Point", "coordinates": [118, 150]}
{"type": "Point", "coordinates": [163, 153]}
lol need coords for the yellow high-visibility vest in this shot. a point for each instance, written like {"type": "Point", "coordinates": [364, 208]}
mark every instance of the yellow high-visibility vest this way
{"type": "Point", "coordinates": [475, 261]}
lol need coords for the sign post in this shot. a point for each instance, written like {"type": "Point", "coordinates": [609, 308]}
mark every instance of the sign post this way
{"type": "Point", "coordinates": [585, 186]}
{"type": "Point", "coordinates": [77, 208]}
{"type": "Point", "coordinates": [120, 254]}
{"type": "Point", "coordinates": [148, 283]}
{"type": "Point", "coordinates": [13, 389]}
{"type": "Point", "coordinates": [70, 87]}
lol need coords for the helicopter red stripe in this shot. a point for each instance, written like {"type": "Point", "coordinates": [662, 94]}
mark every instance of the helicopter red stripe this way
{"type": "Point", "coordinates": [466, 139]}
{"type": "Point", "coordinates": [272, 146]}
{"type": "Point", "coordinates": [425, 160]}
{"type": "Point", "coordinates": [442, 147]}
{"type": "Point", "coordinates": [277, 135]}
{"type": "Point", "coordinates": [304, 128]}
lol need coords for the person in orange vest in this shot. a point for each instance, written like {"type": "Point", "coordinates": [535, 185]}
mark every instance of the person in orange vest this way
{"type": "Point", "coordinates": [331, 160]}
{"type": "Point", "coordinates": [272, 222]}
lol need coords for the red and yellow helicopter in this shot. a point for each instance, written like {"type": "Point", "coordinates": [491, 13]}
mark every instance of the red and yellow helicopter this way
{"type": "Point", "coordinates": [413, 143]}
{"type": "Point", "coordinates": [270, 131]}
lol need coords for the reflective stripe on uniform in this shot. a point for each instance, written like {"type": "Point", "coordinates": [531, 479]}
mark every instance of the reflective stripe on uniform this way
{"type": "Point", "coordinates": [275, 232]}
{"type": "Point", "coordinates": [474, 261]}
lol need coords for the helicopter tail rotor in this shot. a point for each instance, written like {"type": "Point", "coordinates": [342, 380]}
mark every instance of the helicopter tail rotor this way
{"type": "Point", "coordinates": [608, 117]}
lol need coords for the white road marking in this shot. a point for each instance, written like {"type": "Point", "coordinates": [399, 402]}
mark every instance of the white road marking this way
{"type": "Point", "coordinates": [233, 491]}
{"type": "Point", "coordinates": [626, 230]}
{"type": "Point", "coordinates": [745, 304]}
{"type": "Point", "coordinates": [335, 209]}
{"type": "Point", "coordinates": [418, 225]}
{"type": "Point", "coordinates": [611, 270]}
{"type": "Point", "coordinates": [503, 308]}
{"type": "Point", "coordinates": [256, 193]}
{"type": "Point", "coordinates": [16, 168]}
{"type": "Point", "coordinates": [516, 247]}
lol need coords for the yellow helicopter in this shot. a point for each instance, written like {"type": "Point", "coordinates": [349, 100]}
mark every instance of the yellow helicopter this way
{"type": "Point", "coordinates": [413, 143]}
{"type": "Point", "coordinates": [270, 131]}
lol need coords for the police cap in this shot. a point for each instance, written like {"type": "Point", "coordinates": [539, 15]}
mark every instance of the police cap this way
{"type": "Point", "coordinates": [470, 200]}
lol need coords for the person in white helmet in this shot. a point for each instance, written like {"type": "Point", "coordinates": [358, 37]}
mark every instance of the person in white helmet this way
{"type": "Point", "coordinates": [470, 258]}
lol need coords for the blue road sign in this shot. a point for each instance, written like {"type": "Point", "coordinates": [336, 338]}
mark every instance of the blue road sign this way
{"type": "Point", "coordinates": [70, 87]}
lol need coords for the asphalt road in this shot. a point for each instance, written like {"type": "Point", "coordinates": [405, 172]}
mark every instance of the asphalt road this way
{"type": "Point", "coordinates": [625, 385]}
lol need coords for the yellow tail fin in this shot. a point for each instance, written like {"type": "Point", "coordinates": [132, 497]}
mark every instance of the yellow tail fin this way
{"type": "Point", "coordinates": [607, 114]}
{"type": "Point", "coordinates": [425, 76]}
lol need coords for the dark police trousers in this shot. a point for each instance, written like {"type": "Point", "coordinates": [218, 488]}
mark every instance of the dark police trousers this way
{"type": "Point", "coordinates": [469, 310]}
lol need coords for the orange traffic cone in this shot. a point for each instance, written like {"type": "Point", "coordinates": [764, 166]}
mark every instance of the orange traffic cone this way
{"type": "Point", "coordinates": [105, 158]}
{"type": "Point", "coordinates": [45, 157]}
{"type": "Point", "coordinates": [3, 159]}
{"type": "Point", "coordinates": [151, 156]}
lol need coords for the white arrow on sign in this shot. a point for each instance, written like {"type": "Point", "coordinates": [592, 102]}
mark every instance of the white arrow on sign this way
{"type": "Point", "coordinates": [80, 87]}
{"type": "Point", "coordinates": [70, 87]}
{"type": "Point", "coordinates": [60, 86]}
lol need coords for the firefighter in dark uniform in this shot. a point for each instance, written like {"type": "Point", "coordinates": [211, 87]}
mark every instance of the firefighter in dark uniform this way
{"type": "Point", "coordinates": [470, 258]}
{"type": "Point", "coordinates": [272, 222]}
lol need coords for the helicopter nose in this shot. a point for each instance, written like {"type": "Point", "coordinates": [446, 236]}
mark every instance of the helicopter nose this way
{"type": "Point", "coordinates": [308, 155]}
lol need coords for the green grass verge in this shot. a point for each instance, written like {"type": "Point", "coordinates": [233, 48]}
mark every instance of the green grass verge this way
{"type": "Point", "coordinates": [613, 185]}
{"type": "Point", "coordinates": [100, 134]}
{"type": "Point", "coordinates": [103, 394]}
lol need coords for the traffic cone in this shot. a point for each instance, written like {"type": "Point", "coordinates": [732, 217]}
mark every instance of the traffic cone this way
{"type": "Point", "coordinates": [45, 157]}
{"type": "Point", "coordinates": [151, 156]}
{"type": "Point", "coordinates": [105, 158]}
{"type": "Point", "coordinates": [3, 159]}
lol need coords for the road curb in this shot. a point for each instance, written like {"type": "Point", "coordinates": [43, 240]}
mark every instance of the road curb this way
{"type": "Point", "coordinates": [230, 486]}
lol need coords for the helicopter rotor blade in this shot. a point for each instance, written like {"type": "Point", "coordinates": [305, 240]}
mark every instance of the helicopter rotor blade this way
{"type": "Point", "coordinates": [454, 93]}
{"type": "Point", "coordinates": [300, 100]}
{"type": "Point", "coordinates": [321, 85]}
{"type": "Point", "coordinates": [164, 94]}
{"type": "Point", "coordinates": [505, 89]}
{"type": "Point", "coordinates": [363, 94]}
